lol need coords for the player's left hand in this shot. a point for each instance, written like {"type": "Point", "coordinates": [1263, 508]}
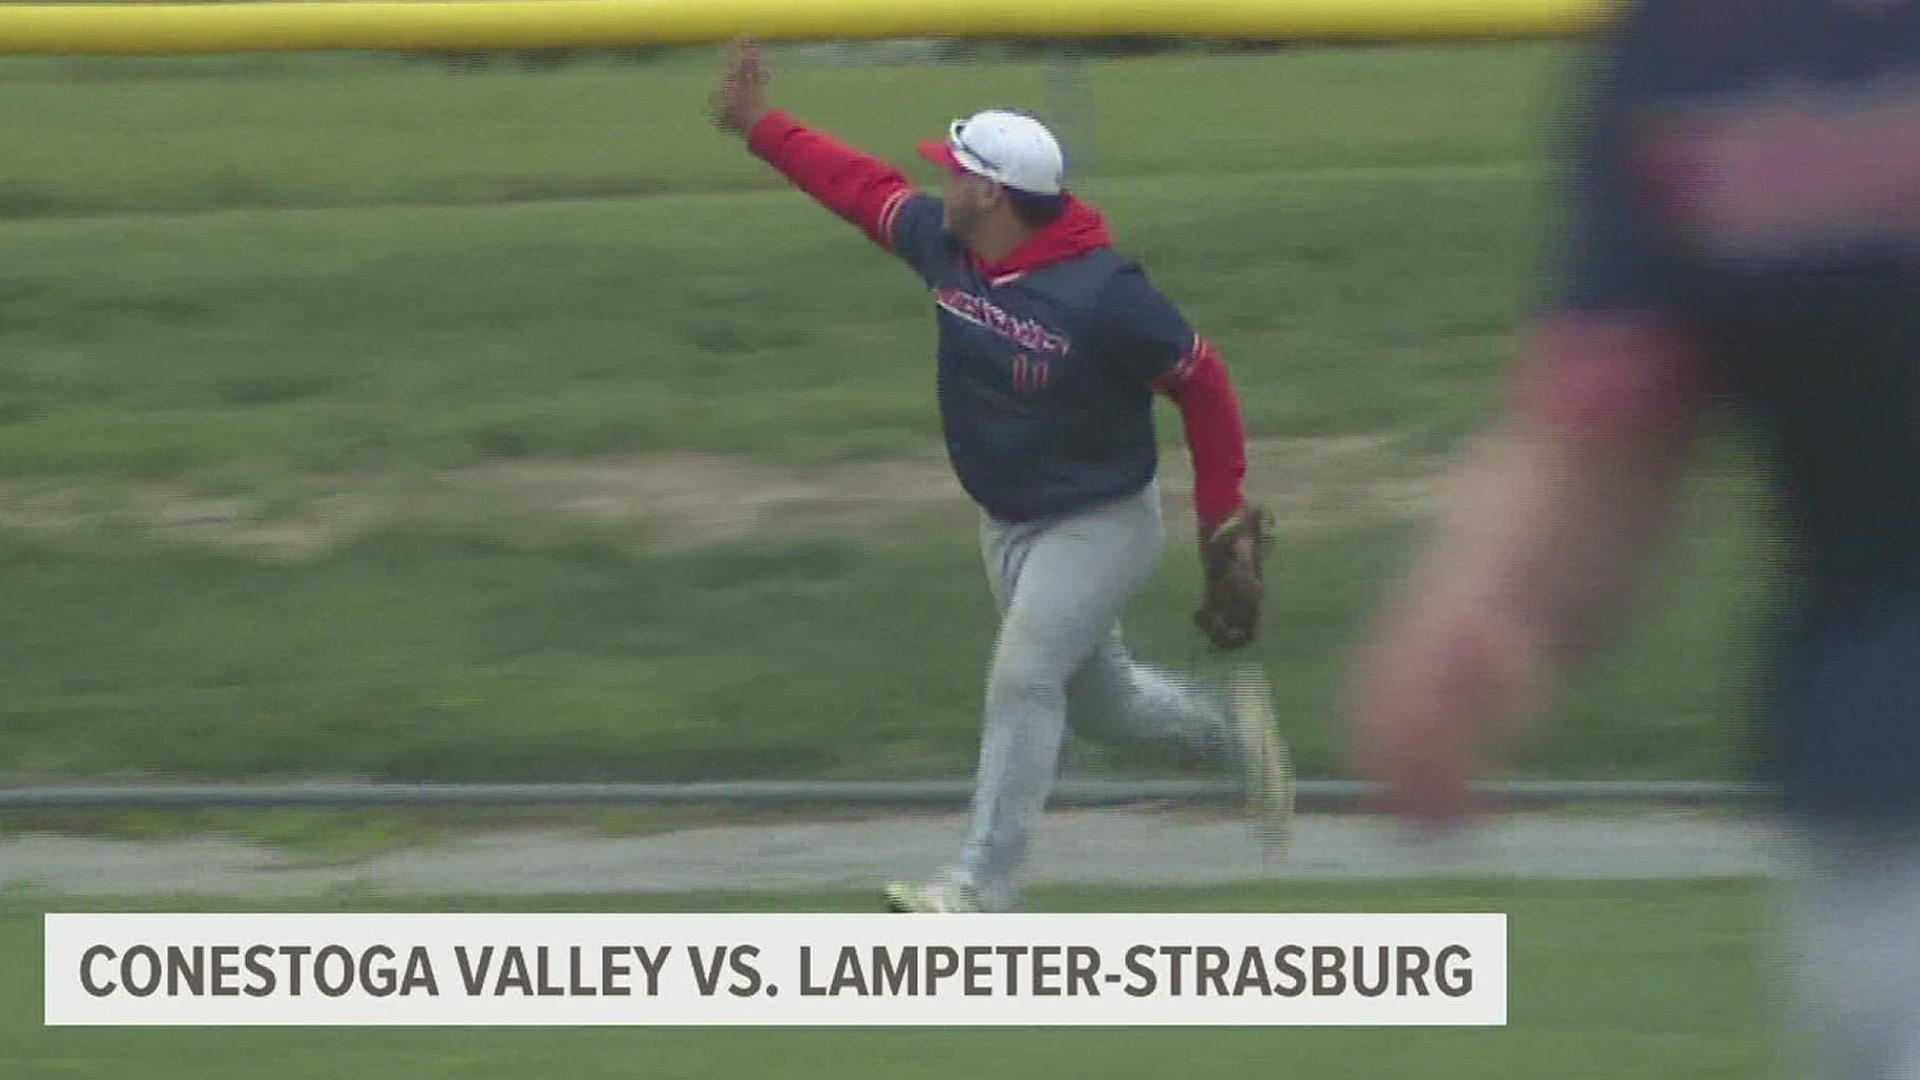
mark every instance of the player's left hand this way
{"type": "Point", "coordinates": [1232, 555]}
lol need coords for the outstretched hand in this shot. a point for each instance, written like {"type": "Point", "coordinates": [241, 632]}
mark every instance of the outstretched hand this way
{"type": "Point", "coordinates": [1438, 691]}
{"type": "Point", "coordinates": [741, 98]}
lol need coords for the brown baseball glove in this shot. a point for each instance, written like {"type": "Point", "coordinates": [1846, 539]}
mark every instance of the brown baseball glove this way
{"type": "Point", "coordinates": [1233, 555]}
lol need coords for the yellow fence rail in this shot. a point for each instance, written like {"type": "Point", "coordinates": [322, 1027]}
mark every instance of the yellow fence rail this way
{"type": "Point", "coordinates": [369, 25]}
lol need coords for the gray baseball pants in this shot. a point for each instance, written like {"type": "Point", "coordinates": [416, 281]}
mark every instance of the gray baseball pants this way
{"type": "Point", "coordinates": [1851, 929]}
{"type": "Point", "coordinates": [1059, 662]}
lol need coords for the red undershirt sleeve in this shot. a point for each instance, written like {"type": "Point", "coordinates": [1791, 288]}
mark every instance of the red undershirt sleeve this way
{"type": "Point", "coordinates": [1201, 388]}
{"type": "Point", "coordinates": [864, 191]}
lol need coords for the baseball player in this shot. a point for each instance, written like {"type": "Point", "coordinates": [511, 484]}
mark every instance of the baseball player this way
{"type": "Point", "coordinates": [1051, 347]}
{"type": "Point", "coordinates": [1743, 241]}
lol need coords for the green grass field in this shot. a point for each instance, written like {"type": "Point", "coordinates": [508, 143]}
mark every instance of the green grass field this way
{"type": "Point", "coordinates": [1628, 979]}
{"type": "Point", "coordinates": [354, 415]}
{"type": "Point", "coordinates": [359, 418]}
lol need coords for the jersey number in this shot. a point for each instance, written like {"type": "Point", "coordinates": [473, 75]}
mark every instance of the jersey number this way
{"type": "Point", "coordinates": [1029, 374]}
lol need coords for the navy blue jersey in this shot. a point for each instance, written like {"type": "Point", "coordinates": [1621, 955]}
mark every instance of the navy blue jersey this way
{"type": "Point", "coordinates": [1749, 173]}
{"type": "Point", "coordinates": [1049, 359]}
{"type": "Point", "coordinates": [1046, 376]}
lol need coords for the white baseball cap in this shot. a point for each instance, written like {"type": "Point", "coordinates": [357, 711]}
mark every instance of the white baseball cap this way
{"type": "Point", "coordinates": [1008, 148]}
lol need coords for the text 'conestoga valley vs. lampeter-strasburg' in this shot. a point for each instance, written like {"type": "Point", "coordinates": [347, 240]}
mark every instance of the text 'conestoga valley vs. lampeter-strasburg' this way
{"type": "Point", "coordinates": [261, 970]}
{"type": "Point", "coordinates": [757, 969]}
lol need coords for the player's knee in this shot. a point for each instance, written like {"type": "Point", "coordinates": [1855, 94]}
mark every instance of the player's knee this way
{"type": "Point", "coordinates": [1026, 679]}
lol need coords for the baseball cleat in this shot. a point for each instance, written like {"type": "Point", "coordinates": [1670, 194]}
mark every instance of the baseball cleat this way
{"type": "Point", "coordinates": [933, 898]}
{"type": "Point", "coordinates": [1265, 760]}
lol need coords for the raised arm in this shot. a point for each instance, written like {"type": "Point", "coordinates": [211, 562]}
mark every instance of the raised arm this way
{"type": "Point", "coordinates": [862, 190]}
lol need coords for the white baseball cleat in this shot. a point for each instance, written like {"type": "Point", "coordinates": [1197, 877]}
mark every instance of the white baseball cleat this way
{"type": "Point", "coordinates": [1265, 759]}
{"type": "Point", "coordinates": [932, 898]}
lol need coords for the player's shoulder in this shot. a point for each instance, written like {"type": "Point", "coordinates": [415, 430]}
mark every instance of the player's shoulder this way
{"type": "Point", "coordinates": [1078, 283]}
{"type": "Point", "coordinates": [1128, 292]}
{"type": "Point", "coordinates": [915, 212]}
{"type": "Point", "coordinates": [914, 230]}
{"type": "Point", "coordinates": [1130, 310]}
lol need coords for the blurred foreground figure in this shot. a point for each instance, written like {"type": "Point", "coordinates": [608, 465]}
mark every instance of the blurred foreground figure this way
{"type": "Point", "coordinates": [1740, 240]}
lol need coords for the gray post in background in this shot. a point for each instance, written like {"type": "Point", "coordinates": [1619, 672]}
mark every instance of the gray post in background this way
{"type": "Point", "coordinates": [1069, 106]}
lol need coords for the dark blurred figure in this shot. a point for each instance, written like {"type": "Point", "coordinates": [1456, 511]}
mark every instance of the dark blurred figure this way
{"type": "Point", "coordinates": [1740, 241]}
